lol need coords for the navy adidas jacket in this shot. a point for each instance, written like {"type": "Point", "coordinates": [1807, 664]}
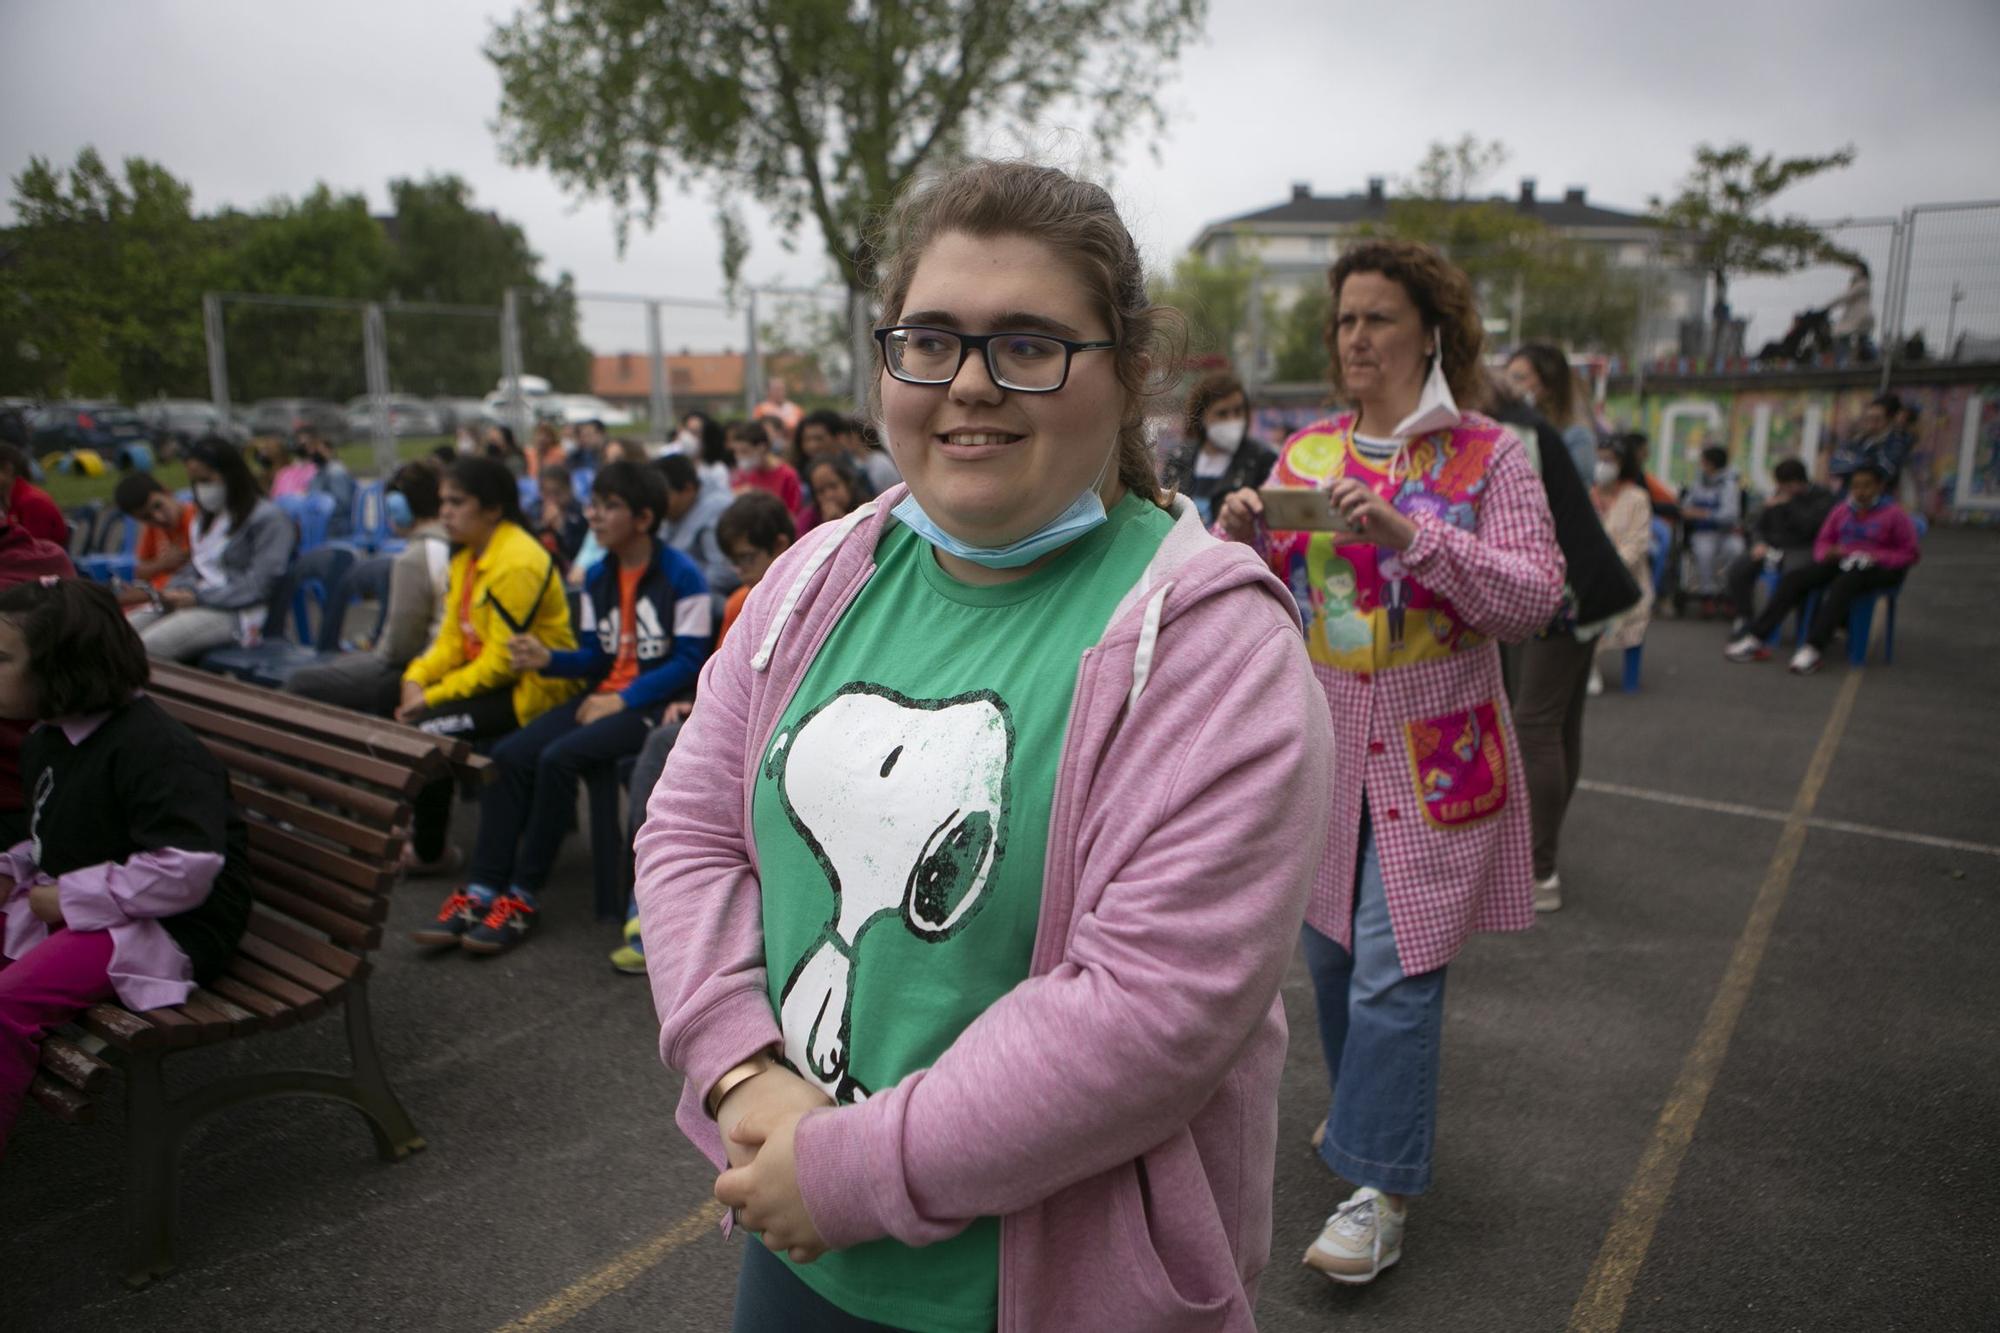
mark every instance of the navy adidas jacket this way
{"type": "Point", "coordinates": [676, 628]}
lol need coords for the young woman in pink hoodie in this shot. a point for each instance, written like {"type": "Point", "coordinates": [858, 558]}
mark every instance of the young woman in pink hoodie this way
{"type": "Point", "coordinates": [970, 884]}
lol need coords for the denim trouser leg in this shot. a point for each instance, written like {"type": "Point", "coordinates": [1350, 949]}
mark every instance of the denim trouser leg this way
{"type": "Point", "coordinates": [1380, 1032]}
{"type": "Point", "coordinates": [506, 799]}
{"type": "Point", "coordinates": [558, 767]}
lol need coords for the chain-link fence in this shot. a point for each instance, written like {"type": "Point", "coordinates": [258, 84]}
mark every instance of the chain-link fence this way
{"type": "Point", "coordinates": [1947, 303]}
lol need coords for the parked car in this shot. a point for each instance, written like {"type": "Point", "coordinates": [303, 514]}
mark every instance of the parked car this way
{"type": "Point", "coordinates": [471, 412]}
{"type": "Point", "coordinates": [408, 415]}
{"type": "Point", "coordinates": [105, 428]}
{"type": "Point", "coordinates": [285, 417]}
{"type": "Point", "coordinates": [571, 408]}
{"type": "Point", "coordinates": [178, 422]}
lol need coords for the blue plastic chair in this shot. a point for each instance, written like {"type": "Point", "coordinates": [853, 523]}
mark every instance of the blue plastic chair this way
{"type": "Point", "coordinates": [307, 587]}
{"type": "Point", "coordinates": [104, 566]}
{"type": "Point", "coordinates": [313, 514]}
{"type": "Point", "coordinates": [1663, 539]}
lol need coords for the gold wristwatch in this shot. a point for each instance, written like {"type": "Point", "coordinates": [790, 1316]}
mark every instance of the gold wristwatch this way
{"type": "Point", "coordinates": [736, 1076]}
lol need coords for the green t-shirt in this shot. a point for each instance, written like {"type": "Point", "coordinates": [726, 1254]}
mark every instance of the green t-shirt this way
{"type": "Point", "coordinates": [902, 818]}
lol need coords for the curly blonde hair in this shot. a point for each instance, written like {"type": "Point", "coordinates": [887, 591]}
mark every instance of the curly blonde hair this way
{"type": "Point", "coordinates": [1078, 220]}
{"type": "Point", "coordinates": [1444, 300]}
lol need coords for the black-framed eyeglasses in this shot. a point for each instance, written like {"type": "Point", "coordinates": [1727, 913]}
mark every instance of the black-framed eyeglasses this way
{"type": "Point", "coordinates": [1018, 362]}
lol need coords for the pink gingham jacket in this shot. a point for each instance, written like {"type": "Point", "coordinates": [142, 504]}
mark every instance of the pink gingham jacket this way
{"type": "Point", "coordinates": [1407, 658]}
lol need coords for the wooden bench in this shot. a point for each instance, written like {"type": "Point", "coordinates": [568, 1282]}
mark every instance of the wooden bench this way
{"type": "Point", "coordinates": [327, 796]}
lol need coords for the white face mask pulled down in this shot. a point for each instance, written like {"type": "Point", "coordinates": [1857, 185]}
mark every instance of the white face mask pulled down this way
{"type": "Point", "coordinates": [1436, 410]}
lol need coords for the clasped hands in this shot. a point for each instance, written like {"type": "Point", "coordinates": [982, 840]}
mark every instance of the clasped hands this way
{"type": "Point", "coordinates": [1857, 560]}
{"type": "Point", "coordinates": [759, 1119]}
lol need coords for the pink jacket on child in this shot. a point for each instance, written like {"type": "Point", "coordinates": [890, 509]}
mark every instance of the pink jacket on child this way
{"type": "Point", "coordinates": [1118, 1109]}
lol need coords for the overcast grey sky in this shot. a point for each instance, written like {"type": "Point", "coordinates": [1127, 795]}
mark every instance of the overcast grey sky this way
{"type": "Point", "coordinates": [247, 99]}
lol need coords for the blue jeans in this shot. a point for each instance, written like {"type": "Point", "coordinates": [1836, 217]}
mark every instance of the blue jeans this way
{"type": "Point", "coordinates": [531, 802]}
{"type": "Point", "coordinates": [771, 1298]}
{"type": "Point", "coordinates": [1380, 1032]}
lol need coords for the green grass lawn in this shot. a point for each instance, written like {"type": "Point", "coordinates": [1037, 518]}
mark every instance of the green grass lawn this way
{"type": "Point", "coordinates": [70, 489]}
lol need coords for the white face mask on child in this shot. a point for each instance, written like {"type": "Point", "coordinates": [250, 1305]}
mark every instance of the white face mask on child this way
{"type": "Point", "coordinates": [211, 496]}
{"type": "Point", "coordinates": [1606, 472]}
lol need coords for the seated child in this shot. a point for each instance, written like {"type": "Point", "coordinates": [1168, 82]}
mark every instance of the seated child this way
{"type": "Point", "coordinates": [134, 879]}
{"type": "Point", "coordinates": [754, 531]}
{"type": "Point", "coordinates": [167, 538]}
{"type": "Point", "coordinates": [645, 631]}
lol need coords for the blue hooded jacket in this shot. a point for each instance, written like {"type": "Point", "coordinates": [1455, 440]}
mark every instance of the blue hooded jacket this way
{"type": "Point", "coordinates": [676, 622]}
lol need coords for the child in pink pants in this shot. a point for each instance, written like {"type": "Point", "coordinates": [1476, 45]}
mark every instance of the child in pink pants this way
{"type": "Point", "coordinates": [132, 883]}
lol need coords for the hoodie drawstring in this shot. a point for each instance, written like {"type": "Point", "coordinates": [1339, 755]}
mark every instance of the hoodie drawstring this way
{"type": "Point", "coordinates": [762, 660]}
{"type": "Point", "coordinates": [1149, 638]}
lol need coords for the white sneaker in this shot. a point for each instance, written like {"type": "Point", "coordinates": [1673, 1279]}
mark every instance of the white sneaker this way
{"type": "Point", "coordinates": [1595, 686]}
{"type": "Point", "coordinates": [1549, 894]}
{"type": "Point", "coordinates": [1805, 661]}
{"type": "Point", "coordinates": [1363, 1237]}
{"type": "Point", "coordinates": [1747, 648]}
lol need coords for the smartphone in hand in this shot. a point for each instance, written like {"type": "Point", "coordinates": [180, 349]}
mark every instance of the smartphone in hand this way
{"type": "Point", "coordinates": [1302, 509]}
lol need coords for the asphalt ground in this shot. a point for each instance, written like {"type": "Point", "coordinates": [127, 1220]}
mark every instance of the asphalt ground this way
{"type": "Point", "coordinates": [1748, 1078]}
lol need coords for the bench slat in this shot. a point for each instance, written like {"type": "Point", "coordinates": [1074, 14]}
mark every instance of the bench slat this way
{"type": "Point", "coordinates": [69, 1062]}
{"type": "Point", "coordinates": [259, 947]}
{"type": "Point", "coordinates": [375, 878]}
{"type": "Point", "coordinates": [173, 1028]}
{"type": "Point", "coordinates": [121, 1027]}
{"type": "Point", "coordinates": [337, 925]}
{"type": "Point", "coordinates": [318, 952]}
{"type": "Point", "coordinates": [299, 715]}
{"type": "Point", "coordinates": [363, 840]}
{"type": "Point", "coordinates": [367, 908]}
{"type": "Point", "coordinates": [360, 802]}
{"type": "Point", "coordinates": [275, 1012]}
{"type": "Point", "coordinates": [304, 1001]}
{"type": "Point", "coordinates": [397, 777]}
{"type": "Point", "coordinates": [63, 1102]}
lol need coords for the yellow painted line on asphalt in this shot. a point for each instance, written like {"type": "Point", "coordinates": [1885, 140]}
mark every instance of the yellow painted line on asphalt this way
{"type": "Point", "coordinates": [615, 1276]}
{"type": "Point", "coordinates": [1601, 1307]}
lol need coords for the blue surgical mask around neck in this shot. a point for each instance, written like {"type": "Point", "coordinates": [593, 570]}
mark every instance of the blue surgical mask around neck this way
{"type": "Point", "coordinates": [1084, 515]}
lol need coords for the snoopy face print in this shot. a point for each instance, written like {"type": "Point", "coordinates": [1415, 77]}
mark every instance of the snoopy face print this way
{"type": "Point", "coordinates": [903, 803]}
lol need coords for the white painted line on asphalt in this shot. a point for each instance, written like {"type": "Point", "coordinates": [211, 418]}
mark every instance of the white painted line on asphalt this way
{"type": "Point", "coordinates": [1780, 817]}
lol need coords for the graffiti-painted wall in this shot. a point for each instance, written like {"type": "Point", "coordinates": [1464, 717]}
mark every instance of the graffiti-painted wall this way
{"type": "Point", "coordinates": [1955, 464]}
{"type": "Point", "coordinates": [1954, 469]}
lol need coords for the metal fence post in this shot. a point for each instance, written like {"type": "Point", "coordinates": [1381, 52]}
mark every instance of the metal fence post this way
{"type": "Point", "coordinates": [375, 364]}
{"type": "Point", "coordinates": [1893, 297]}
{"type": "Point", "coordinates": [661, 405]}
{"type": "Point", "coordinates": [753, 371]}
{"type": "Point", "coordinates": [863, 353]}
{"type": "Point", "coordinates": [218, 356]}
{"type": "Point", "coordinates": [516, 407]}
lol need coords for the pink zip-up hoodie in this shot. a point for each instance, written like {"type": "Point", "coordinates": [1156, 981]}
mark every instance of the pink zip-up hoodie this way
{"type": "Point", "coordinates": [1117, 1109]}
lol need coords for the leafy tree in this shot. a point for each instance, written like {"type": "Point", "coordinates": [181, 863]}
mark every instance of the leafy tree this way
{"type": "Point", "coordinates": [1455, 170]}
{"type": "Point", "coordinates": [815, 109]}
{"type": "Point", "coordinates": [1563, 290]}
{"type": "Point", "coordinates": [325, 244]}
{"type": "Point", "coordinates": [1721, 214]}
{"type": "Point", "coordinates": [448, 251]}
{"type": "Point", "coordinates": [101, 281]}
{"type": "Point", "coordinates": [1301, 353]}
{"type": "Point", "coordinates": [1214, 298]}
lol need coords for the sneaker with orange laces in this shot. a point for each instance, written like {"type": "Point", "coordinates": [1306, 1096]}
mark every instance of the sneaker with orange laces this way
{"type": "Point", "coordinates": [504, 927]}
{"type": "Point", "coordinates": [460, 913]}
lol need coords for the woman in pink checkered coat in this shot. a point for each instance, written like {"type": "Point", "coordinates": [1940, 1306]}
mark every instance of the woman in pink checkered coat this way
{"type": "Point", "coordinates": [1448, 549]}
